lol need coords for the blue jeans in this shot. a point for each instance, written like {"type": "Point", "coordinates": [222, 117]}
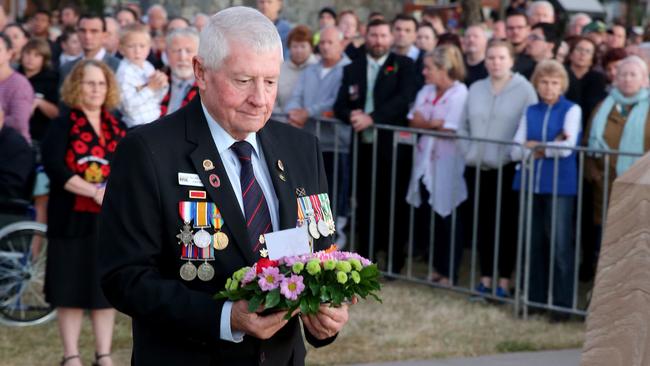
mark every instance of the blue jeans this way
{"type": "Point", "coordinates": [540, 250]}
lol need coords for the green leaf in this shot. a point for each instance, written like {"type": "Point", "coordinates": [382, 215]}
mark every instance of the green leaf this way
{"type": "Point", "coordinates": [254, 303]}
{"type": "Point", "coordinates": [314, 287]}
{"type": "Point", "coordinates": [272, 299]}
{"type": "Point", "coordinates": [304, 305]}
{"type": "Point", "coordinates": [324, 294]}
{"type": "Point", "coordinates": [314, 304]}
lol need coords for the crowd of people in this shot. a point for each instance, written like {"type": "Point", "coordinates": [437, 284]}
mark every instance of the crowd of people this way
{"type": "Point", "coordinates": [72, 84]}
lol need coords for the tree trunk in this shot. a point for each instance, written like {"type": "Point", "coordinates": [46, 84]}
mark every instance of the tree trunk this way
{"type": "Point", "coordinates": [471, 12]}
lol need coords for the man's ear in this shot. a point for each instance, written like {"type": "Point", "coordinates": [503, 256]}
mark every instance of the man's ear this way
{"type": "Point", "coordinates": [199, 72]}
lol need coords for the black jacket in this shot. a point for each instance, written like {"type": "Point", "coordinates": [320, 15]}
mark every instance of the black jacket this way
{"type": "Point", "coordinates": [176, 322]}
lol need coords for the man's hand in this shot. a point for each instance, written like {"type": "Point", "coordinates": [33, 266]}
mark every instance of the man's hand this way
{"type": "Point", "coordinates": [328, 322]}
{"type": "Point", "coordinates": [262, 327]}
{"type": "Point", "coordinates": [359, 120]}
{"type": "Point", "coordinates": [298, 117]}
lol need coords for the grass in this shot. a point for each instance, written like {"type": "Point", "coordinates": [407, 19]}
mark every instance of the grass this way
{"type": "Point", "coordinates": [414, 322]}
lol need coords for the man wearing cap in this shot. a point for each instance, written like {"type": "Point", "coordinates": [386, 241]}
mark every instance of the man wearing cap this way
{"type": "Point", "coordinates": [220, 150]}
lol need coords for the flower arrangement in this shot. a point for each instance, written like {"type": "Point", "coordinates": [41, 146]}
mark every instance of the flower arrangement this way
{"type": "Point", "coordinates": [304, 281]}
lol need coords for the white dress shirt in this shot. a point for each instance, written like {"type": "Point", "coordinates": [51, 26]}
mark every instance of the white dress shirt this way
{"type": "Point", "coordinates": [223, 141]}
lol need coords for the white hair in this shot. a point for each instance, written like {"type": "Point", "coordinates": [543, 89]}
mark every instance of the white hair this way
{"type": "Point", "coordinates": [157, 7]}
{"type": "Point", "coordinates": [536, 4]}
{"type": "Point", "coordinates": [239, 24]}
{"type": "Point", "coordinates": [574, 18]}
{"type": "Point", "coordinates": [633, 60]}
{"type": "Point", "coordinates": [338, 31]}
{"type": "Point", "coordinates": [190, 32]}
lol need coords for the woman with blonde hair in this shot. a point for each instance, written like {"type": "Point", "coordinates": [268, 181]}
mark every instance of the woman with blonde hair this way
{"type": "Point", "coordinates": [437, 175]}
{"type": "Point", "coordinates": [77, 154]}
{"type": "Point", "coordinates": [554, 122]}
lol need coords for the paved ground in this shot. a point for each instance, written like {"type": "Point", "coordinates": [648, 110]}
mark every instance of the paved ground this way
{"type": "Point", "coordinates": [547, 358]}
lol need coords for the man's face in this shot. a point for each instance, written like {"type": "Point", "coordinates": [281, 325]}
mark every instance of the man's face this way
{"type": "Point", "coordinates": [475, 41]}
{"type": "Point", "coordinates": [40, 24]}
{"type": "Point", "coordinates": [69, 17]}
{"type": "Point", "coordinates": [157, 19]}
{"type": "Point", "coordinates": [616, 39]}
{"type": "Point", "coordinates": [404, 33]}
{"type": "Point", "coordinates": [330, 45]}
{"type": "Point", "coordinates": [180, 52]}
{"type": "Point", "coordinates": [576, 27]}
{"type": "Point", "coordinates": [91, 34]}
{"type": "Point", "coordinates": [426, 39]}
{"type": "Point", "coordinates": [378, 40]}
{"type": "Point", "coordinates": [326, 19]}
{"type": "Point", "coordinates": [125, 18]}
{"type": "Point", "coordinates": [241, 93]}
{"type": "Point", "coordinates": [517, 30]}
{"type": "Point", "coordinates": [537, 47]}
{"type": "Point", "coordinates": [542, 14]}
{"type": "Point", "coordinates": [112, 39]}
{"type": "Point", "coordinates": [270, 8]}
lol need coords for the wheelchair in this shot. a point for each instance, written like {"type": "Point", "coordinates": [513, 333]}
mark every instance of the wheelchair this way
{"type": "Point", "coordinates": [23, 251]}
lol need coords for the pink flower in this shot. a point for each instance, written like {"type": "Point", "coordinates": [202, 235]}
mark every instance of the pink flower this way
{"type": "Point", "coordinates": [270, 278]}
{"type": "Point", "coordinates": [249, 276]}
{"type": "Point", "coordinates": [291, 287]}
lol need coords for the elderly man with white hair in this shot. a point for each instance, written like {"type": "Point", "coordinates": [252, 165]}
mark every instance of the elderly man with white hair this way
{"type": "Point", "coordinates": [219, 151]}
{"type": "Point", "coordinates": [541, 12]}
{"type": "Point", "coordinates": [157, 18]}
{"type": "Point", "coordinates": [577, 22]}
{"type": "Point", "coordinates": [181, 47]}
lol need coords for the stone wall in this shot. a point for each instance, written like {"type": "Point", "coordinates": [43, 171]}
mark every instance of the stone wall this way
{"type": "Point", "coordinates": [296, 11]}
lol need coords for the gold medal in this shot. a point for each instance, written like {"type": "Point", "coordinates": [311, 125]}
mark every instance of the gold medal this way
{"type": "Point", "coordinates": [220, 240]}
{"type": "Point", "coordinates": [188, 271]}
{"type": "Point", "coordinates": [205, 272]}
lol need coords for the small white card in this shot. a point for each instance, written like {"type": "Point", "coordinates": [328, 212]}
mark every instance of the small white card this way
{"type": "Point", "coordinates": [288, 242]}
{"type": "Point", "coordinates": [189, 179]}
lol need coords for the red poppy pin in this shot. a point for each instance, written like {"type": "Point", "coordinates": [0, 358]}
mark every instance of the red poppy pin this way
{"type": "Point", "coordinates": [390, 69]}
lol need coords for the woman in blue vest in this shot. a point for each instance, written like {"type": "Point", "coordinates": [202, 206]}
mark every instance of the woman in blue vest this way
{"type": "Point", "coordinates": [547, 129]}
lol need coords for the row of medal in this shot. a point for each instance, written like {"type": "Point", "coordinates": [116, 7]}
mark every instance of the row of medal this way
{"type": "Point", "coordinates": [315, 212]}
{"type": "Point", "coordinates": [200, 245]}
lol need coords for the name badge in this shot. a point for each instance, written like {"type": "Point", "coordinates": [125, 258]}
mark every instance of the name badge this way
{"type": "Point", "coordinates": [189, 179]}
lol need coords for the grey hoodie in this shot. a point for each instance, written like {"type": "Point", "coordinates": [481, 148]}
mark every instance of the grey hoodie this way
{"type": "Point", "coordinates": [496, 117]}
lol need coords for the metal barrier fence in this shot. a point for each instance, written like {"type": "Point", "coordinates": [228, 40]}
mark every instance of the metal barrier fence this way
{"type": "Point", "coordinates": [402, 139]}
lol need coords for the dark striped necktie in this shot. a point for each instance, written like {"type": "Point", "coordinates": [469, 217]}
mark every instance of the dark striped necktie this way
{"type": "Point", "coordinates": [258, 218]}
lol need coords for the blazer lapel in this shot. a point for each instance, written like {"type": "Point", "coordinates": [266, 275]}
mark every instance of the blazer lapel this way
{"type": "Point", "coordinates": [219, 188]}
{"type": "Point", "coordinates": [277, 164]}
{"type": "Point", "coordinates": [362, 71]}
{"type": "Point", "coordinates": [382, 74]}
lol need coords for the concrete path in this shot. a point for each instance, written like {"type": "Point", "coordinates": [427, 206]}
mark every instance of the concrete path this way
{"type": "Point", "coordinates": [547, 358]}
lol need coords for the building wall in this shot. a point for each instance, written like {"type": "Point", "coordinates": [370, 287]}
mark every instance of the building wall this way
{"type": "Point", "coordinates": [296, 11]}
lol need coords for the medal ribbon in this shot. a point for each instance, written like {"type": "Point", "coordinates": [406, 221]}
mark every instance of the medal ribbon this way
{"type": "Point", "coordinates": [185, 211]}
{"type": "Point", "coordinates": [217, 219]}
{"type": "Point", "coordinates": [305, 206]}
{"type": "Point", "coordinates": [324, 200]}
{"type": "Point", "coordinates": [301, 214]}
{"type": "Point", "coordinates": [315, 203]}
{"type": "Point", "coordinates": [203, 216]}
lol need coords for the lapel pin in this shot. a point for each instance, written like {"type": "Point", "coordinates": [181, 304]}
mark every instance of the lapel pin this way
{"type": "Point", "coordinates": [282, 177]}
{"type": "Point", "coordinates": [207, 165]}
{"type": "Point", "coordinates": [281, 165]}
{"type": "Point", "coordinates": [198, 194]}
{"type": "Point", "coordinates": [214, 180]}
{"type": "Point", "coordinates": [300, 192]}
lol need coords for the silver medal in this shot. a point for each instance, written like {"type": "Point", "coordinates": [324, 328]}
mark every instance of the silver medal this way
{"type": "Point", "coordinates": [202, 239]}
{"type": "Point", "coordinates": [188, 271]}
{"type": "Point", "coordinates": [185, 235]}
{"type": "Point", "coordinates": [323, 228]}
{"type": "Point", "coordinates": [313, 229]}
{"type": "Point", "coordinates": [205, 272]}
